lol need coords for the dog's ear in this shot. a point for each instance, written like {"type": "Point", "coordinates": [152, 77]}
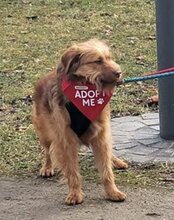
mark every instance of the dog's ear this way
{"type": "Point", "coordinates": [70, 61]}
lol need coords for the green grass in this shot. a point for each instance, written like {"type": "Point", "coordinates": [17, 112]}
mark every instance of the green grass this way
{"type": "Point", "coordinates": [146, 175]}
{"type": "Point", "coordinates": [34, 33]}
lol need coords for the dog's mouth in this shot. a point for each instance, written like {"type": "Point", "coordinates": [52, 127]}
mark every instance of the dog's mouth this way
{"type": "Point", "coordinates": [110, 78]}
{"type": "Point", "coordinates": [102, 82]}
{"type": "Point", "coordinates": [108, 82]}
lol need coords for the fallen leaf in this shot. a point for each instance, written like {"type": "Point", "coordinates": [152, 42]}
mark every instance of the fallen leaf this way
{"type": "Point", "coordinates": [32, 17]}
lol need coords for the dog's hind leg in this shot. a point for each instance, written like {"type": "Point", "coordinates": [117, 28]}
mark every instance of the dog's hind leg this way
{"type": "Point", "coordinates": [118, 163]}
{"type": "Point", "coordinates": [47, 170]}
{"type": "Point", "coordinates": [41, 124]}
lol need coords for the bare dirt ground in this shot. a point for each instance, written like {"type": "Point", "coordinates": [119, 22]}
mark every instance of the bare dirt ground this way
{"type": "Point", "coordinates": [43, 199]}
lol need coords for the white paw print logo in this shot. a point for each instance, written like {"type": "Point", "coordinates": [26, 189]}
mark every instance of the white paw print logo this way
{"type": "Point", "coordinates": [100, 101]}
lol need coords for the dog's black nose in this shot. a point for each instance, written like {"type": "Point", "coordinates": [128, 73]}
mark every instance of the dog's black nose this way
{"type": "Point", "coordinates": [116, 74]}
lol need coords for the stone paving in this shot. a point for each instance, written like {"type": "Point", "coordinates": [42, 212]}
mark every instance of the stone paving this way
{"type": "Point", "coordinates": [137, 139]}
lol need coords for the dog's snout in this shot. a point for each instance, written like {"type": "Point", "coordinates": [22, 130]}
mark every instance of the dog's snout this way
{"type": "Point", "coordinates": [116, 74]}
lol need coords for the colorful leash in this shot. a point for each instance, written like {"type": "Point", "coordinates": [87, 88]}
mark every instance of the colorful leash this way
{"type": "Point", "coordinates": [153, 75]}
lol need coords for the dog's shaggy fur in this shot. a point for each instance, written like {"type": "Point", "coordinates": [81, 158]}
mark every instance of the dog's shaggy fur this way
{"type": "Point", "coordinates": [89, 61]}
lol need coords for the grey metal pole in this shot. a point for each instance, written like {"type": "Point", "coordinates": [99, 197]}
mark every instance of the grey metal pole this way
{"type": "Point", "coordinates": [165, 51]}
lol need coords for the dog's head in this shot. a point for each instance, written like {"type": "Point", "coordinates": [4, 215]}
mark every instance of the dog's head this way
{"type": "Point", "coordinates": [91, 61]}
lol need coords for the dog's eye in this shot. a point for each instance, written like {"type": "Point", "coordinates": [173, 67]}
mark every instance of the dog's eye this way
{"type": "Point", "coordinates": [99, 61]}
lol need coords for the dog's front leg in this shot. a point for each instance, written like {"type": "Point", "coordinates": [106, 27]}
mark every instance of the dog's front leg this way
{"type": "Point", "coordinates": [75, 195]}
{"type": "Point", "coordinates": [65, 152]}
{"type": "Point", "coordinates": [102, 149]}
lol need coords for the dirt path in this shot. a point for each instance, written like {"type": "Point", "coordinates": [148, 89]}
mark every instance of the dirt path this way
{"type": "Point", "coordinates": [44, 200]}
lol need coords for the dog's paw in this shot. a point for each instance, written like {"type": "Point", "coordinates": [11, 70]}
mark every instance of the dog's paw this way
{"type": "Point", "coordinates": [117, 196]}
{"type": "Point", "coordinates": [74, 198]}
{"type": "Point", "coordinates": [119, 164]}
{"type": "Point", "coordinates": [46, 172]}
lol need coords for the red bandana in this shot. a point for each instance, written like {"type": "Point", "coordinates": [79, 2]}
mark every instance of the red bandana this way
{"type": "Point", "coordinates": [86, 98]}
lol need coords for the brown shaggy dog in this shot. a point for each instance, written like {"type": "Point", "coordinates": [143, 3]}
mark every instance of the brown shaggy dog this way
{"type": "Point", "coordinates": [89, 61]}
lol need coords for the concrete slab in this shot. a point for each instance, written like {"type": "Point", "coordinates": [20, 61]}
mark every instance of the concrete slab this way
{"type": "Point", "coordinates": [137, 139]}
